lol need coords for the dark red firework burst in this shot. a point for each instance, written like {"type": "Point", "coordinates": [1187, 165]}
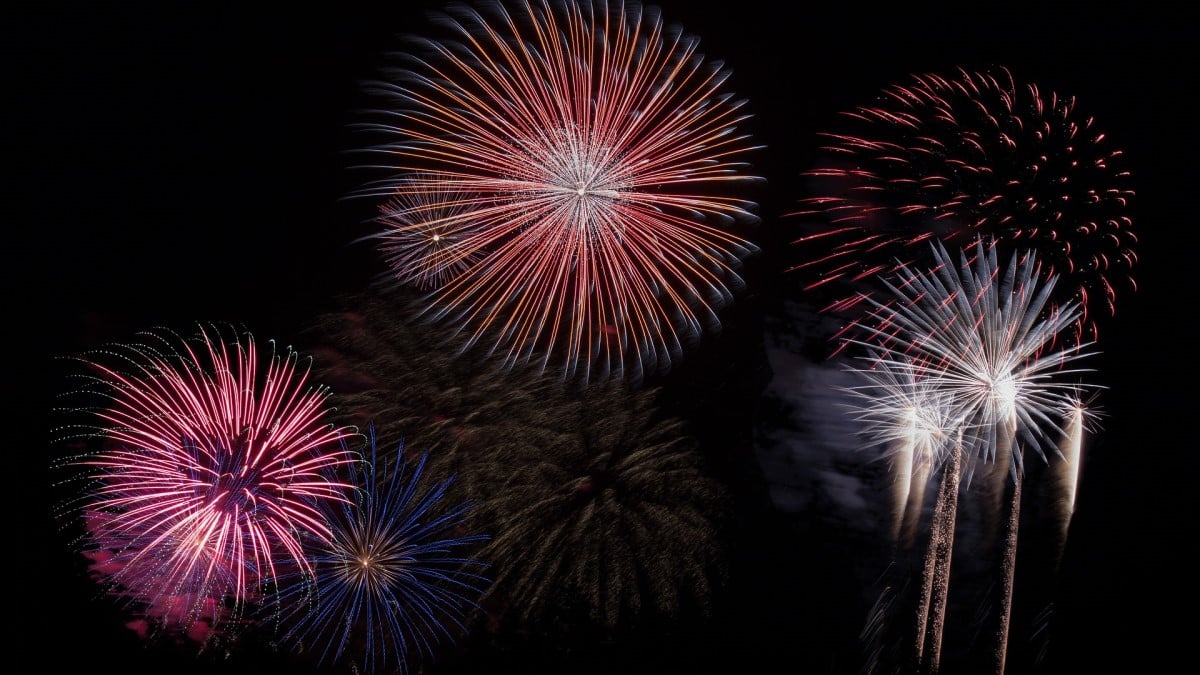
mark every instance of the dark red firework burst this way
{"type": "Point", "coordinates": [956, 159]}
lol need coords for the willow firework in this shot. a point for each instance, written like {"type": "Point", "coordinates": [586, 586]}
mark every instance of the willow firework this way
{"type": "Point", "coordinates": [421, 385]}
{"type": "Point", "coordinates": [210, 472]}
{"type": "Point", "coordinates": [955, 159]}
{"type": "Point", "coordinates": [605, 512]}
{"type": "Point", "coordinates": [596, 158]}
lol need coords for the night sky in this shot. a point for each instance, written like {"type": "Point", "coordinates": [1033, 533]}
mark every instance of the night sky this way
{"type": "Point", "coordinates": [184, 164]}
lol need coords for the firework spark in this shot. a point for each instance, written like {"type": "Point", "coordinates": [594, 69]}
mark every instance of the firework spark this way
{"type": "Point", "coordinates": [982, 335]}
{"type": "Point", "coordinates": [954, 159]}
{"type": "Point", "coordinates": [595, 155]}
{"type": "Point", "coordinates": [211, 471]}
{"type": "Point", "coordinates": [391, 583]}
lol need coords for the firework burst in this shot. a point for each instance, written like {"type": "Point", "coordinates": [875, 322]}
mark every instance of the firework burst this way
{"type": "Point", "coordinates": [391, 583]}
{"type": "Point", "coordinates": [606, 512]}
{"type": "Point", "coordinates": [914, 421]}
{"type": "Point", "coordinates": [975, 342]}
{"type": "Point", "coordinates": [982, 336]}
{"type": "Point", "coordinates": [426, 228]}
{"type": "Point", "coordinates": [976, 155]}
{"type": "Point", "coordinates": [210, 472]}
{"type": "Point", "coordinates": [432, 392]}
{"type": "Point", "coordinates": [596, 158]}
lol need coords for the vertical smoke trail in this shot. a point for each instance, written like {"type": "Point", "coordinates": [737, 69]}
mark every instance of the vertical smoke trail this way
{"type": "Point", "coordinates": [936, 581]}
{"type": "Point", "coordinates": [902, 471]}
{"type": "Point", "coordinates": [1008, 571]}
{"type": "Point", "coordinates": [1065, 476]}
{"type": "Point", "coordinates": [922, 467]}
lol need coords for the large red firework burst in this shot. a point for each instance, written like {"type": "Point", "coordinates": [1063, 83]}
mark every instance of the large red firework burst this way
{"type": "Point", "coordinates": [966, 158]}
{"type": "Point", "coordinates": [209, 476]}
{"type": "Point", "coordinates": [591, 160]}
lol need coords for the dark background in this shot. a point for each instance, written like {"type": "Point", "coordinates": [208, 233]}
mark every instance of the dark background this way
{"type": "Point", "coordinates": [175, 164]}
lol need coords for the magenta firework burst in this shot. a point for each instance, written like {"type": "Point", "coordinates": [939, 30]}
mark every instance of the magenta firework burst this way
{"type": "Point", "coordinates": [954, 159]}
{"type": "Point", "coordinates": [214, 461]}
{"type": "Point", "coordinates": [596, 158]}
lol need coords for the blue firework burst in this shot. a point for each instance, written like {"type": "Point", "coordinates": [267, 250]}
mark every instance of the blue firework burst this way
{"type": "Point", "coordinates": [394, 581]}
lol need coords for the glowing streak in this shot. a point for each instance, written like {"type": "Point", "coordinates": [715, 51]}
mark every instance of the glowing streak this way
{"type": "Point", "coordinates": [1065, 472]}
{"type": "Point", "coordinates": [1008, 570]}
{"type": "Point", "coordinates": [931, 616]}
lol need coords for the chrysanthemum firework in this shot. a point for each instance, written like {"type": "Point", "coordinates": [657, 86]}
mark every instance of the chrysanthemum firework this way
{"type": "Point", "coordinates": [983, 338]}
{"type": "Point", "coordinates": [212, 464]}
{"type": "Point", "coordinates": [974, 155]}
{"type": "Point", "coordinates": [614, 479]}
{"type": "Point", "coordinates": [395, 580]}
{"type": "Point", "coordinates": [606, 511]}
{"type": "Point", "coordinates": [595, 155]}
{"type": "Point", "coordinates": [426, 230]}
{"type": "Point", "coordinates": [418, 383]}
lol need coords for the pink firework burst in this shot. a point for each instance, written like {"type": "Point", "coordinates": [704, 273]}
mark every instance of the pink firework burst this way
{"type": "Point", "coordinates": [597, 158]}
{"type": "Point", "coordinates": [209, 478]}
{"type": "Point", "coordinates": [976, 156]}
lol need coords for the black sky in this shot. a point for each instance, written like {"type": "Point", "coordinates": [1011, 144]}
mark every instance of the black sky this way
{"type": "Point", "coordinates": [176, 163]}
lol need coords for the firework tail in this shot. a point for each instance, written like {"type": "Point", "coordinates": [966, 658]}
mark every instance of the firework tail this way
{"type": "Point", "coordinates": [902, 484]}
{"type": "Point", "coordinates": [915, 506]}
{"type": "Point", "coordinates": [1008, 569]}
{"type": "Point", "coordinates": [935, 590]}
{"type": "Point", "coordinates": [1065, 477]}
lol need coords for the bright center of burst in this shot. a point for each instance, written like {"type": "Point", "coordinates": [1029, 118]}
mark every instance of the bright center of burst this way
{"type": "Point", "coordinates": [582, 171]}
{"type": "Point", "coordinates": [1003, 392]}
{"type": "Point", "coordinates": [921, 426]}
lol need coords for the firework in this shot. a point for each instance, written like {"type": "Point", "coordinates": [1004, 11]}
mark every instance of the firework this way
{"type": "Point", "coordinates": [593, 160]}
{"type": "Point", "coordinates": [956, 159]}
{"type": "Point", "coordinates": [982, 335]}
{"type": "Point", "coordinates": [977, 340]}
{"type": "Point", "coordinates": [391, 583]}
{"type": "Point", "coordinates": [915, 422]}
{"type": "Point", "coordinates": [1064, 478]}
{"type": "Point", "coordinates": [605, 511]}
{"type": "Point", "coordinates": [922, 431]}
{"type": "Point", "coordinates": [420, 383]}
{"type": "Point", "coordinates": [210, 474]}
{"type": "Point", "coordinates": [560, 474]}
{"type": "Point", "coordinates": [426, 231]}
